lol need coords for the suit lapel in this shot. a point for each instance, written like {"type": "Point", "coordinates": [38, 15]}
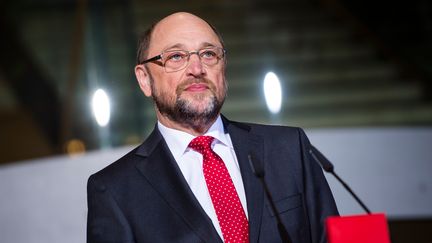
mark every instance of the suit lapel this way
{"type": "Point", "coordinates": [244, 144]}
{"type": "Point", "coordinates": [162, 172]}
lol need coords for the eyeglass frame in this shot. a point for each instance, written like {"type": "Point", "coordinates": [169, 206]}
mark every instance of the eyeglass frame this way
{"type": "Point", "coordinates": [189, 53]}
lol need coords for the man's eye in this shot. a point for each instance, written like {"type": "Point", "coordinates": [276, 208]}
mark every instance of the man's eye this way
{"type": "Point", "coordinates": [176, 57]}
{"type": "Point", "coordinates": [208, 54]}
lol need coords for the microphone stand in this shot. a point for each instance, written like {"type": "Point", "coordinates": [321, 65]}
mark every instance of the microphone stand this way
{"type": "Point", "coordinates": [328, 167]}
{"type": "Point", "coordinates": [259, 173]}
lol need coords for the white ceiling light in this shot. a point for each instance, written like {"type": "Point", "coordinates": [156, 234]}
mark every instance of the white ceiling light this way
{"type": "Point", "coordinates": [101, 107]}
{"type": "Point", "coordinates": [272, 92]}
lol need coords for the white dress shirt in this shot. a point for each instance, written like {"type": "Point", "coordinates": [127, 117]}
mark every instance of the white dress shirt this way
{"type": "Point", "coordinates": [190, 163]}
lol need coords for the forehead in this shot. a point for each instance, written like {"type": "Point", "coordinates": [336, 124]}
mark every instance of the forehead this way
{"type": "Point", "coordinates": [182, 30]}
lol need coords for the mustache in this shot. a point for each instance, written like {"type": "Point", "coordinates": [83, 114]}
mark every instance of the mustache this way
{"type": "Point", "coordinates": [182, 86]}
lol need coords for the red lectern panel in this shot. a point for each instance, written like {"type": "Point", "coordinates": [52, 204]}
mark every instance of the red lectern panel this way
{"type": "Point", "coordinates": [370, 228]}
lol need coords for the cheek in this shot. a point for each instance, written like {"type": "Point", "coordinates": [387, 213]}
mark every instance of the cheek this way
{"type": "Point", "coordinates": [165, 83]}
{"type": "Point", "coordinates": [221, 84]}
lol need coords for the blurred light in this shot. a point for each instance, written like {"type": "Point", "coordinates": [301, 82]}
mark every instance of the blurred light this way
{"type": "Point", "coordinates": [133, 140]}
{"type": "Point", "coordinates": [272, 92]}
{"type": "Point", "coordinates": [75, 147]}
{"type": "Point", "coordinates": [101, 107]}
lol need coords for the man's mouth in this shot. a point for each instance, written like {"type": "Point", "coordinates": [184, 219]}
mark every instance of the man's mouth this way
{"type": "Point", "coordinates": [196, 87]}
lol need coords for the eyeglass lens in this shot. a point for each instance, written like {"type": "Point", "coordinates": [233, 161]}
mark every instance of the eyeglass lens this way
{"type": "Point", "coordinates": [177, 59]}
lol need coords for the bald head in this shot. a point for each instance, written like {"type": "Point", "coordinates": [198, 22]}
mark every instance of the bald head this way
{"type": "Point", "coordinates": [180, 26]}
{"type": "Point", "coordinates": [180, 18]}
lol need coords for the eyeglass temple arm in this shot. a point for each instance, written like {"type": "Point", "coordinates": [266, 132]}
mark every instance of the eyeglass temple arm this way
{"type": "Point", "coordinates": [152, 59]}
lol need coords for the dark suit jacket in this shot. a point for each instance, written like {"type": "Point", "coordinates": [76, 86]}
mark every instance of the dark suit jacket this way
{"type": "Point", "coordinates": [143, 197]}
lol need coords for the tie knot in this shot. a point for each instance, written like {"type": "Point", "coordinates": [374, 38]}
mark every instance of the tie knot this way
{"type": "Point", "coordinates": [201, 143]}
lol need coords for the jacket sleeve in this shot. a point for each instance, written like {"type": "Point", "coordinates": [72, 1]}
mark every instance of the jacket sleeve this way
{"type": "Point", "coordinates": [105, 220]}
{"type": "Point", "coordinates": [319, 200]}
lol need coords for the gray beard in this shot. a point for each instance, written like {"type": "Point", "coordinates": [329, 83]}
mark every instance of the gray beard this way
{"type": "Point", "coordinates": [183, 113]}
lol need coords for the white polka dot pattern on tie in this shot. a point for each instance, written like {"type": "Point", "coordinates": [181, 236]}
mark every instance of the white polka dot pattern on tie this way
{"type": "Point", "coordinates": [231, 216]}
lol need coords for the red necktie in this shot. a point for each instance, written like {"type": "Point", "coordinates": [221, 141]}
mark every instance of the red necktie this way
{"type": "Point", "coordinates": [229, 211]}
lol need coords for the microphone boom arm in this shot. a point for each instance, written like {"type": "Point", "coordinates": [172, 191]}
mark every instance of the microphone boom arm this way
{"type": "Point", "coordinates": [328, 167]}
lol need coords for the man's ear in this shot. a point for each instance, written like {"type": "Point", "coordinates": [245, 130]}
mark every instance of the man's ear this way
{"type": "Point", "coordinates": [143, 78]}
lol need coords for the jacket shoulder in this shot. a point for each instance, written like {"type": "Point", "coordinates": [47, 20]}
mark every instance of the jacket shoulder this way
{"type": "Point", "coordinates": [119, 166]}
{"type": "Point", "coordinates": [269, 130]}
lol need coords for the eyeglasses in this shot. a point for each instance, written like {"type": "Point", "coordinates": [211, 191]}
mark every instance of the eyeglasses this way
{"type": "Point", "coordinates": [175, 60]}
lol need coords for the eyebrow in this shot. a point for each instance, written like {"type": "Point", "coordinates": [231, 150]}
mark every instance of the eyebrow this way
{"type": "Point", "coordinates": [207, 44]}
{"type": "Point", "coordinates": [175, 46]}
{"type": "Point", "coordinates": [182, 47]}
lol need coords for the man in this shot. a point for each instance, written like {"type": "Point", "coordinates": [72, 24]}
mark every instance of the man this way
{"type": "Point", "coordinates": [180, 186]}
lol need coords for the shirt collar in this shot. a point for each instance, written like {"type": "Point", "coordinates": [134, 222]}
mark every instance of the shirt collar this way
{"type": "Point", "coordinates": [178, 141]}
{"type": "Point", "coordinates": [218, 132]}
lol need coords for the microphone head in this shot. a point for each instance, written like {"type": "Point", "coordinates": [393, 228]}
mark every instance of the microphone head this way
{"type": "Point", "coordinates": [321, 159]}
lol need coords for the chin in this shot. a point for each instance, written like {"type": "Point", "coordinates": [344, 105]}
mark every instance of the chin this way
{"type": "Point", "coordinates": [202, 107]}
{"type": "Point", "coordinates": [199, 100]}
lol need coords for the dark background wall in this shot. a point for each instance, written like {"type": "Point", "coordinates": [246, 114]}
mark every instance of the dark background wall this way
{"type": "Point", "coordinates": [342, 64]}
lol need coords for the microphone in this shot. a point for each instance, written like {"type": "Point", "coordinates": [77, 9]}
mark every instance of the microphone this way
{"type": "Point", "coordinates": [258, 170]}
{"type": "Point", "coordinates": [328, 167]}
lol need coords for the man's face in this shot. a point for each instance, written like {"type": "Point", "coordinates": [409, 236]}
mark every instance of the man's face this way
{"type": "Point", "coordinates": [195, 94]}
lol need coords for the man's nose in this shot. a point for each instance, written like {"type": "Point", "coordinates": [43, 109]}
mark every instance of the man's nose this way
{"type": "Point", "coordinates": [195, 66]}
